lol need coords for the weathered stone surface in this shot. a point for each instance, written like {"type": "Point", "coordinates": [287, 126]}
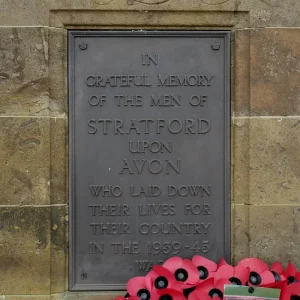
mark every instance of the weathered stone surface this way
{"type": "Point", "coordinates": [262, 13]}
{"type": "Point", "coordinates": [275, 72]}
{"type": "Point", "coordinates": [24, 12]}
{"type": "Point", "coordinates": [274, 69]}
{"type": "Point", "coordinates": [59, 249]}
{"type": "Point", "coordinates": [240, 160]}
{"type": "Point", "coordinates": [271, 13]}
{"type": "Point", "coordinates": [59, 161]}
{"type": "Point", "coordinates": [31, 297]}
{"type": "Point", "coordinates": [24, 163]}
{"type": "Point", "coordinates": [145, 4]}
{"type": "Point", "coordinates": [240, 101]}
{"type": "Point", "coordinates": [240, 233]}
{"type": "Point", "coordinates": [148, 19]}
{"type": "Point", "coordinates": [274, 161]}
{"type": "Point", "coordinates": [275, 233]}
{"type": "Point", "coordinates": [268, 232]}
{"type": "Point", "coordinates": [58, 77]}
{"type": "Point", "coordinates": [87, 296]}
{"type": "Point", "coordinates": [25, 250]}
{"type": "Point", "coordinates": [271, 154]}
{"type": "Point", "coordinates": [24, 71]}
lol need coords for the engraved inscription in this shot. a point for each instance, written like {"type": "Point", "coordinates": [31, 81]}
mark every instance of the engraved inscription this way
{"type": "Point", "coordinates": [126, 248]}
{"type": "Point", "coordinates": [153, 166]}
{"type": "Point", "coordinates": [148, 152]}
{"type": "Point", "coordinates": [156, 209]}
{"type": "Point", "coordinates": [186, 80]}
{"type": "Point", "coordinates": [150, 146]}
{"type": "Point", "coordinates": [147, 126]}
{"type": "Point", "coordinates": [110, 228]}
{"type": "Point", "coordinates": [106, 190]}
{"type": "Point", "coordinates": [174, 228]}
{"type": "Point", "coordinates": [166, 100]}
{"type": "Point", "coordinates": [149, 59]}
{"type": "Point", "coordinates": [109, 210]}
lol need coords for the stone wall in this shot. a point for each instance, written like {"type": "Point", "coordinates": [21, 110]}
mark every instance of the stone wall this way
{"type": "Point", "coordinates": [33, 127]}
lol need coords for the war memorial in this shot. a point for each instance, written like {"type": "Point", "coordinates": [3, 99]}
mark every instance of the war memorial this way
{"type": "Point", "coordinates": [133, 131]}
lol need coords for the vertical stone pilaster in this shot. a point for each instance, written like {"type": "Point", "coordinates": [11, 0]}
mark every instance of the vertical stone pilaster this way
{"type": "Point", "coordinates": [268, 211]}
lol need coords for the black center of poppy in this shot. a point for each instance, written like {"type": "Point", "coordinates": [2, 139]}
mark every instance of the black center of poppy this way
{"type": "Point", "coordinates": [235, 281]}
{"type": "Point", "coordinates": [295, 297]}
{"type": "Point", "coordinates": [255, 278]}
{"type": "Point", "coordinates": [143, 294]}
{"type": "Point", "coordinates": [181, 275]}
{"type": "Point", "coordinates": [203, 273]}
{"type": "Point", "coordinates": [215, 293]}
{"type": "Point", "coordinates": [276, 276]}
{"type": "Point", "coordinates": [291, 279]}
{"type": "Point", "coordinates": [165, 297]}
{"type": "Point", "coordinates": [161, 282]}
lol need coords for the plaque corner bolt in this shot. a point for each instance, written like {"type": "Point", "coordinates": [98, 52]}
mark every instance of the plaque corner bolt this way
{"type": "Point", "coordinates": [83, 276]}
{"type": "Point", "coordinates": [83, 46]}
{"type": "Point", "coordinates": [215, 46]}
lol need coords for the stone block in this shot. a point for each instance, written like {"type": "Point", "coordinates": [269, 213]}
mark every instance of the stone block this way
{"type": "Point", "coordinates": [150, 18]}
{"type": "Point", "coordinates": [240, 132]}
{"type": "Point", "coordinates": [268, 232]}
{"type": "Point", "coordinates": [240, 95]}
{"type": "Point", "coordinates": [59, 249]}
{"type": "Point", "coordinates": [165, 5]}
{"type": "Point", "coordinates": [25, 251]}
{"type": "Point", "coordinates": [24, 13]}
{"type": "Point", "coordinates": [266, 158]}
{"type": "Point", "coordinates": [275, 233]}
{"type": "Point", "coordinates": [271, 13]}
{"type": "Point", "coordinates": [59, 161]}
{"type": "Point", "coordinates": [274, 176]}
{"type": "Point", "coordinates": [58, 75]}
{"type": "Point", "coordinates": [264, 13]}
{"type": "Point", "coordinates": [240, 237]}
{"type": "Point", "coordinates": [274, 72]}
{"type": "Point", "coordinates": [87, 296]}
{"type": "Point", "coordinates": [24, 71]}
{"type": "Point", "coordinates": [31, 297]}
{"type": "Point", "coordinates": [24, 164]}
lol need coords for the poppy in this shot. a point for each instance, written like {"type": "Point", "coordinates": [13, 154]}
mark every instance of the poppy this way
{"type": "Point", "coordinates": [238, 275]}
{"type": "Point", "coordinates": [291, 274]}
{"type": "Point", "coordinates": [168, 294]}
{"type": "Point", "coordinates": [205, 266]}
{"type": "Point", "coordinates": [200, 296]}
{"type": "Point", "coordinates": [277, 271]}
{"type": "Point", "coordinates": [183, 270]}
{"type": "Point", "coordinates": [222, 262]}
{"type": "Point", "coordinates": [290, 292]}
{"type": "Point", "coordinates": [212, 287]}
{"type": "Point", "coordinates": [140, 287]}
{"type": "Point", "coordinates": [276, 285]}
{"type": "Point", "coordinates": [162, 278]}
{"type": "Point", "coordinates": [259, 272]}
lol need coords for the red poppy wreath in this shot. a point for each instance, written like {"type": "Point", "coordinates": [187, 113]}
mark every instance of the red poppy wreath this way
{"type": "Point", "coordinates": [203, 279]}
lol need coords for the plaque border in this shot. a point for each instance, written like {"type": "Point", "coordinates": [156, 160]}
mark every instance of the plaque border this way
{"type": "Point", "coordinates": [72, 34]}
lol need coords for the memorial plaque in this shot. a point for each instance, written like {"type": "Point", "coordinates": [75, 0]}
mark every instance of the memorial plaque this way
{"type": "Point", "coordinates": [149, 116]}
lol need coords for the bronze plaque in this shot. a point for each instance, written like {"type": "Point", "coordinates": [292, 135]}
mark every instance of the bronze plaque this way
{"type": "Point", "coordinates": [149, 119]}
